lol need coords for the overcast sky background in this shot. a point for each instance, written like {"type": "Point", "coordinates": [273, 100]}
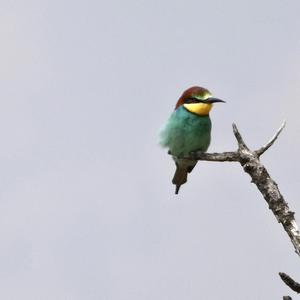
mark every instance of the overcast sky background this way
{"type": "Point", "coordinates": [87, 208]}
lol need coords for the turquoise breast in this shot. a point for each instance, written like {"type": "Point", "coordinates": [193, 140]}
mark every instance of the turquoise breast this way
{"type": "Point", "coordinates": [185, 132]}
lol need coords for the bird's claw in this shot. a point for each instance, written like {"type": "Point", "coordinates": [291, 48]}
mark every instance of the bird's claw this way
{"type": "Point", "coordinates": [194, 154]}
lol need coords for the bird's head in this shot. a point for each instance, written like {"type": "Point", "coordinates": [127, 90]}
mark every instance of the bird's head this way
{"type": "Point", "coordinates": [197, 100]}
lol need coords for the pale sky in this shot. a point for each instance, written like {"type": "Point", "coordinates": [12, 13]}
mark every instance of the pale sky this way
{"type": "Point", "coordinates": [87, 208]}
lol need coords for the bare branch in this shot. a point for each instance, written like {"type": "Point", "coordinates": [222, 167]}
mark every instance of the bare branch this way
{"type": "Point", "coordinates": [251, 164]}
{"type": "Point", "coordinates": [295, 286]}
{"type": "Point", "coordinates": [217, 157]}
{"type": "Point", "coordinates": [264, 148]}
{"type": "Point", "coordinates": [241, 143]}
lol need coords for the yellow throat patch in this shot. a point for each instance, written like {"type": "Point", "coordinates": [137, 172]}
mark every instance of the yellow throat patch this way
{"type": "Point", "coordinates": [201, 109]}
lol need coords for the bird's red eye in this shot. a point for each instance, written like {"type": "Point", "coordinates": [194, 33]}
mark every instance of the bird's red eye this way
{"type": "Point", "coordinates": [191, 100]}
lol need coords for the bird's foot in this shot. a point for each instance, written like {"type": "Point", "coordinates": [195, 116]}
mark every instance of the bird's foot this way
{"type": "Point", "coordinates": [194, 154]}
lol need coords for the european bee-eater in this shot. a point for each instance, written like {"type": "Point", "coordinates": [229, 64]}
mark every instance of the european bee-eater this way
{"type": "Point", "coordinates": [188, 130]}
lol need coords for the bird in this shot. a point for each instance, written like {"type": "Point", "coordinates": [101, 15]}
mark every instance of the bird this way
{"type": "Point", "coordinates": [187, 130]}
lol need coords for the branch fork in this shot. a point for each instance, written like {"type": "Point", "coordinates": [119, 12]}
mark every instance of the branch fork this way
{"type": "Point", "coordinates": [250, 162]}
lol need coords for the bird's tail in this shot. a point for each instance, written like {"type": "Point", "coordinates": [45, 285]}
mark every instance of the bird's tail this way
{"type": "Point", "coordinates": [183, 167]}
{"type": "Point", "coordinates": [180, 177]}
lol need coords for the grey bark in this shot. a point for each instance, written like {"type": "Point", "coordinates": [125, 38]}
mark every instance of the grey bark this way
{"type": "Point", "coordinates": [250, 162]}
{"type": "Point", "coordinates": [295, 286]}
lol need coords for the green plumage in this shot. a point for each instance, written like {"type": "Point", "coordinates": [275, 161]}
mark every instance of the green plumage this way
{"type": "Point", "coordinates": [183, 133]}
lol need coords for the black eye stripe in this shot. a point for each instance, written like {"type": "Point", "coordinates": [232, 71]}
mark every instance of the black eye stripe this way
{"type": "Point", "coordinates": [192, 100]}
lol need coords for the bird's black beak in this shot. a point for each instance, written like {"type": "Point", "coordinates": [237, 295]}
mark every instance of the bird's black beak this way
{"type": "Point", "coordinates": [214, 100]}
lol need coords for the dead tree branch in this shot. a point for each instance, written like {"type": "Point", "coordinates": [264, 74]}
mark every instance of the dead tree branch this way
{"type": "Point", "coordinates": [295, 286]}
{"type": "Point", "coordinates": [250, 162]}
{"type": "Point", "coordinates": [263, 149]}
{"type": "Point", "coordinates": [252, 165]}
